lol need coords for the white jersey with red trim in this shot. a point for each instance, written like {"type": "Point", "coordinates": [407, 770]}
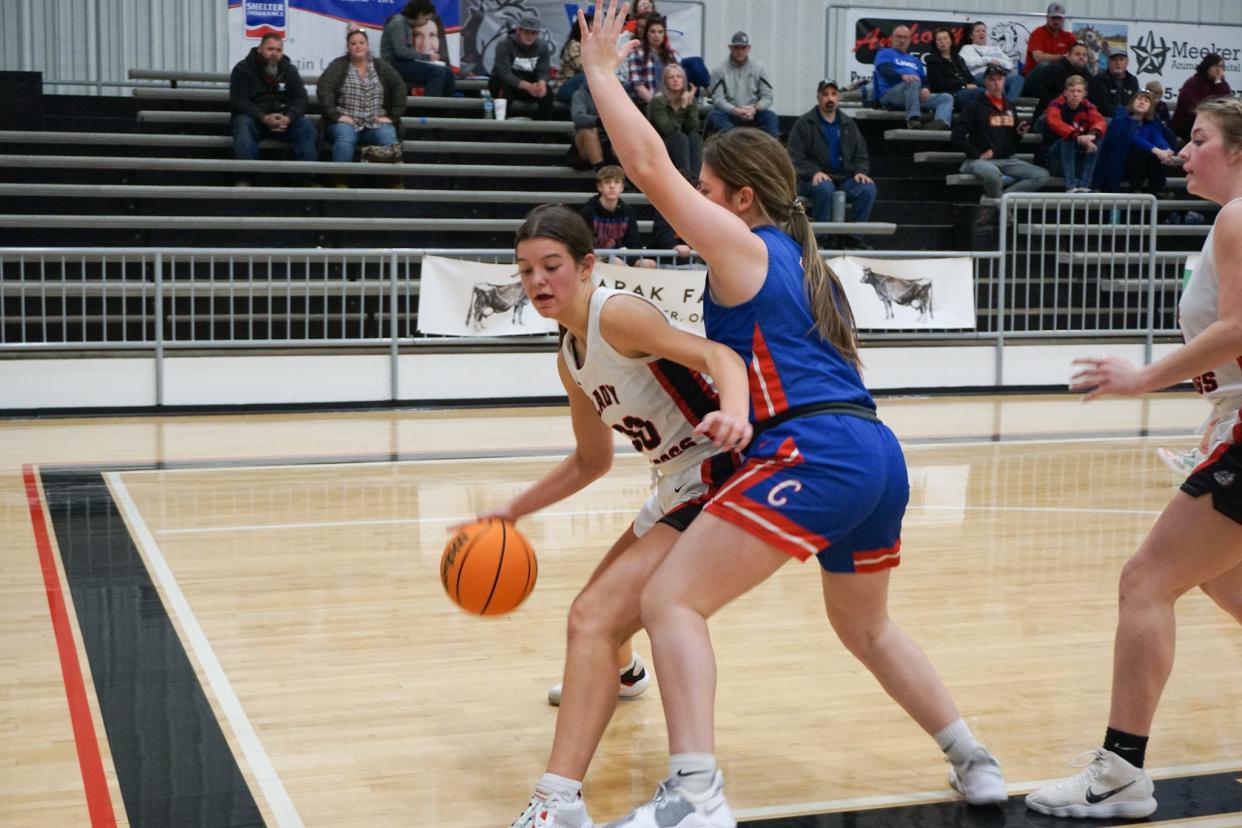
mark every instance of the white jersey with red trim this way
{"type": "Point", "coordinates": [1222, 386]}
{"type": "Point", "coordinates": [654, 402]}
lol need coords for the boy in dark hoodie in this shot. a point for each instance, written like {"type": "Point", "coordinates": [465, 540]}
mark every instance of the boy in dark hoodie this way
{"type": "Point", "coordinates": [267, 98]}
{"type": "Point", "coordinates": [613, 223]}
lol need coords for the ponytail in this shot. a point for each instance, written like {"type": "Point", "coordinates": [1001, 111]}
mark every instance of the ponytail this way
{"type": "Point", "coordinates": [830, 307]}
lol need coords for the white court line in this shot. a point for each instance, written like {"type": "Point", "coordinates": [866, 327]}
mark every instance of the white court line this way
{"type": "Point", "coordinates": [629, 454]}
{"type": "Point", "coordinates": [265, 774]}
{"type": "Point", "coordinates": [263, 527]}
{"type": "Point", "coordinates": [329, 524]}
{"type": "Point", "coordinates": [924, 797]}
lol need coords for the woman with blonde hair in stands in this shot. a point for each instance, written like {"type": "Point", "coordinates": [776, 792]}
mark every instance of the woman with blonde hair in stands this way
{"type": "Point", "coordinates": [1197, 540]}
{"type": "Point", "coordinates": [822, 477]}
{"type": "Point", "coordinates": [674, 113]}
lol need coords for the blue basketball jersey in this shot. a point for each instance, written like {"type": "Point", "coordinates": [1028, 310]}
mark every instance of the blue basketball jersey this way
{"type": "Point", "coordinates": [789, 364]}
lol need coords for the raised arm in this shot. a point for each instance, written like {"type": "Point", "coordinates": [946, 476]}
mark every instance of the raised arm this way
{"type": "Point", "coordinates": [736, 256]}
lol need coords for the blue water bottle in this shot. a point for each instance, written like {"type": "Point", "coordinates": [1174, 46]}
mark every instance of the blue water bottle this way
{"type": "Point", "coordinates": [489, 106]}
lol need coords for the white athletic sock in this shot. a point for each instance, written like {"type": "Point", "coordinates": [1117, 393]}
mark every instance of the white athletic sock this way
{"type": "Point", "coordinates": [957, 741]}
{"type": "Point", "coordinates": [693, 771]}
{"type": "Point", "coordinates": [566, 789]}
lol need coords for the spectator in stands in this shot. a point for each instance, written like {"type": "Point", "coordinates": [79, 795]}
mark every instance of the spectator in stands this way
{"type": "Point", "coordinates": [569, 77]}
{"type": "Point", "coordinates": [1049, 81]}
{"type": "Point", "coordinates": [1208, 81]}
{"type": "Point", "coordinates": [640, 10]}
{"type": "Point", "coordinates": [412, 43]}
{"type": "Point", "coordinates": [978, 55]}
{"type": "Point", "coordinates": [522, 66]}
{"type": "Point", "coordinates": [362, 99]}
{"type": "Point", "coordinates": [829, 153]}
{"type": "Point", "coordinates": [989, 132]}
{"type": "Point", "coordinates": [591, 148]}
{"type": "Point", "coordinates": [1164, 119]}
{"type": "Point", "coordinates": [614, 226]}
{"type": "Point", "coordinates": [1047, 43]}
{"type": "Point", "coordinates": [947, 72]}
{"type": "Point", "coordinates": [645, 65]}
{"type": "Point", "coordinates": [1111, 91]}
{"type": "Point", "coordinates": [267, 98]}
{"type": "Point", "coordinates": [900, 82]}
{"type": "Point", "coordinates": [1134, 147]}
{"type": "Point", "coordinates": [1078, 126]}
{"type": "Point", "coordinates": [674, 113]}
{"type": "Point", "coordinates": [741, 92]}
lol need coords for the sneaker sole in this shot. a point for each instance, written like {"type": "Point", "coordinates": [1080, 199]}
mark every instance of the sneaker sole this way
{"type": "Point", "coordinates": [1135, 809]}
{"type": "Point", "coordinates": [995, 798]}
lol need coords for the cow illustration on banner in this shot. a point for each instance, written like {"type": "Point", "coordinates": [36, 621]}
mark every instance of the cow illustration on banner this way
{"type": "Point", "coordinates": [458, 297]}
{"type": "Point", "coordinates": [908, 294]}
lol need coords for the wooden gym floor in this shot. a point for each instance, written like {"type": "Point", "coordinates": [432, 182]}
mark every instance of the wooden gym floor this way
{"type": "Point", "coordinates": [237, 620]}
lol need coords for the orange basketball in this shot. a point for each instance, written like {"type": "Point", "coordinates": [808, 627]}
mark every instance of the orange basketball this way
{"type": "Point", "coordinates": [488, 568]}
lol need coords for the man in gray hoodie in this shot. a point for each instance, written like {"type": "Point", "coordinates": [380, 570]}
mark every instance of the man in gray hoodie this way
{"type": "Point", "coordinates": [522, 67]}
{"type": "Point", "coordinates": [741, 92]}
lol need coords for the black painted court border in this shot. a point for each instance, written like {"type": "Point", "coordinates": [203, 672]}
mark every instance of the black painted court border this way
{"type": "Point", "coordinates": [173, 764]}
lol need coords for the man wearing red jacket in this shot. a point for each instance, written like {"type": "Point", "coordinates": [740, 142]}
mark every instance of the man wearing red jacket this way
{"type": "Point", "coordinates": [1078, 125]}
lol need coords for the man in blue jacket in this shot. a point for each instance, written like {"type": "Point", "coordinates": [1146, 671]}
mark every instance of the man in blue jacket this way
{"type": "Point", "coordinates": [901, 83]}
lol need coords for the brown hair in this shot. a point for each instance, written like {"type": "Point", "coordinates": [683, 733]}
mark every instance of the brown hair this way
{"type": "Point", "coordinates": [610, 172]}
{"type": "Point", "coordinates": [559, 223]}
{"type": "Point", "coordinates": [1226, 113]}
{"type": "Point", "coordinates": [747, 157]}
{"type": "Point", "coordinates": [271, 36]}
{"type": "Point", "coordinates": [1150, 114]}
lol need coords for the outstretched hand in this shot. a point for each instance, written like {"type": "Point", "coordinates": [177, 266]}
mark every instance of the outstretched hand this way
{"type": "Point", "coordinates": [1107, 375]}
{"type": "Point", "coordinates": [504, 513]}
{"type": "Point", "coordinates": [599, 37]}
{"type": "Point", "coordinates": [729, 433]}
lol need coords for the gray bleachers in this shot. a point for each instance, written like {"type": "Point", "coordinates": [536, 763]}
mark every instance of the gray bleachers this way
{"type": "Point", "coordinates": [221, 96]}
{"type": "Point", "coordinates": [407, 122]}
{"type": "Point", "coordinates": [173, 78]}
{"type": "Point", "coordinates": [301, 194]}
{"type": "Point", "coordinates": [89, 162]}
{"type": "Point", "coordinates": [131, 139]}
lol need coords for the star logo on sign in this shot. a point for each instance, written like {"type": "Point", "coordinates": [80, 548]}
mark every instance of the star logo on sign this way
{"type": "Point", "coordinates": [1151, 55]}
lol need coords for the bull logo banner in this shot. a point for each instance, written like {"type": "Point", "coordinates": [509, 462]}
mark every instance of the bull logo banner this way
{"type": "Point", "coordinates": [465, 298]}
{"type": "Point", "coordinates": [908, 294]}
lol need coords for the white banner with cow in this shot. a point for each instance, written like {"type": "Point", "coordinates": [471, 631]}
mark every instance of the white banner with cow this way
{"type": "Point", "coordinates": [458, 297]}
{"type": "Point", "coordinates": [1165, 52]}
{"type": "Point", "coordinates": [908, 294]}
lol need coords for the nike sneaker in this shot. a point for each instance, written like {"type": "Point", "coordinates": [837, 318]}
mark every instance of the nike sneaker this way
{"type": "Point", "coordinates": [548, 810]}
{"type": "Point", "coordinates": [1180, 461]}
{"type": "Point", "coordinates": [1108, 786]}
{"type": "Point", "coordinates": [979, 778]}
{"type": "Point", "coordinates": [634, 680]}
{"type": "Point", "coordinates": [675, 807]}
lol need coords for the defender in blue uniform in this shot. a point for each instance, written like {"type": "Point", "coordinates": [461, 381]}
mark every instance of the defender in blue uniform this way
{"type": "Point", "coordinates": [822, 475]}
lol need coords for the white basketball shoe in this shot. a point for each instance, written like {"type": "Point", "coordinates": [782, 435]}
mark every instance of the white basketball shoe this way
{"type": "Point", "coordinates": [675, 807]}
{"type": "Point", "coordinates": [634, 680]}
{"type": "Point", "coordinates": [1107, 787]}
{"type": "Point", "coordinates": [1180, 461]}
{"type": "Point", "coordinates": [979, 778]}
{"type": "Point", "coordinates": [548, 810]}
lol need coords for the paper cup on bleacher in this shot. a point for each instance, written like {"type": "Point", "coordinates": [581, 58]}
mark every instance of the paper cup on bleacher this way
{"type": "Point", "coordinates": [501, 104]}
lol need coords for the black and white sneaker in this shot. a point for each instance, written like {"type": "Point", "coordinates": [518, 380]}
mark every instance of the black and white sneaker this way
{"type": "Point", "coordinates": [1108, 786]}
{"type": "Point", "coordinates": [634, 680]}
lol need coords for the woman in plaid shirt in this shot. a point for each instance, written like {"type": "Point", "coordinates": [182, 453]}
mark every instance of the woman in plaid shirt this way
{"type": "Point", "coordinates": [362, 98]}
{"type": "Point", "coordinates": [645, 64]}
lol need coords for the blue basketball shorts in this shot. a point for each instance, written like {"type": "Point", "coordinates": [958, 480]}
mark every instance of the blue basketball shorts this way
{"type": "Point", "coordinates": [830, 485]}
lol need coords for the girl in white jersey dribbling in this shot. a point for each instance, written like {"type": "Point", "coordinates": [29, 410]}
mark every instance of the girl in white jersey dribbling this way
{"type": "Point", "coordinates": [1197, 540]}
{"type": "Point", "coordinates": [626, 369]}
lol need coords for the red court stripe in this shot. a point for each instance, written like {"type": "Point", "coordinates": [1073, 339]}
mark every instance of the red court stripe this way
{"type": "Point", "coordinates": [98, 800]}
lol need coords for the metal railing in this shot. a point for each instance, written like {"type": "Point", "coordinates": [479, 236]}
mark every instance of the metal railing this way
{"type": "Point", "coordinates": [1065, 266]}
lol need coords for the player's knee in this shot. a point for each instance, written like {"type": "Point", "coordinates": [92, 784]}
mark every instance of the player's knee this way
{"type": "Point", "coordinates": [590, 616]}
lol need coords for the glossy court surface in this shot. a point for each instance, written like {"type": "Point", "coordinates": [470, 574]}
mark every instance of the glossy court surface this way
{"type": "Point", "coordinates": [252, 611]}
